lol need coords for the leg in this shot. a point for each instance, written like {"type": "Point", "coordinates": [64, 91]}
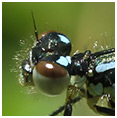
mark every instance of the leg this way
{"type": "Point", "coordinates": [67, 108]}
{"type": "Point", "coordinates": [58, 111]}
{"type": "Point", "coordinates": [105, 110]}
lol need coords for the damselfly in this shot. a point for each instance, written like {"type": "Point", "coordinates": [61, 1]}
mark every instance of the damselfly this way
{"type": "Point", "coordinates": [50, 68]}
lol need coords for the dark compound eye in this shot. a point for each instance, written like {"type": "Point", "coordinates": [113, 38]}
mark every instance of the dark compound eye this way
{"type": "Point", "coordinates": [51, 43]}
{"type": "Point", "coordinates": [64, 61]}
{"type": "Point", "coordinates": [50, 78]}
{"type": "Point", "coordinates": [54, 41]}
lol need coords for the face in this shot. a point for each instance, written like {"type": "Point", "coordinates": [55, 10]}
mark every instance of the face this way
{"type": "Point", "coordinates": [50, 64]}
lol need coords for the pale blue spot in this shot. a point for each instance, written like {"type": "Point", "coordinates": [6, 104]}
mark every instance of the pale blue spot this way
{"type": "Point", "coordinates": [63, 39]}
{"type": "Point", "coordinates": [69, 59]}
{"type": "Point", "coordinates": [62, 61]}
{"type": "Point", "coordinates": [105, 67]}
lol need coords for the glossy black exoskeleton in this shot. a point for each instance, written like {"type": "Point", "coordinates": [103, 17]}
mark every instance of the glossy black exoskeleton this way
{"type": "Point", "coordinates": [99, 70]}
{"type": "Point", "coordinates": [49, 65]}
{"type": "Point", "coordinates": [64, 61]}
{"type": "Point", "coordinates": [68, 109]}
{"type": "Point", "coordinates": [51, 43]}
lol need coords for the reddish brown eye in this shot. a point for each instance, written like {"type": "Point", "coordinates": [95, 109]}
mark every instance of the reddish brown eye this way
{"type": "Point", "coordinates": [50, 78]}
{"type": "Point", "coordinates": [43, 34]}
{"type": "Point", "coordinates": [51, 70]}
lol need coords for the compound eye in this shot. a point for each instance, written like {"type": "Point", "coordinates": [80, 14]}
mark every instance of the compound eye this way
{"type": "Point", "coordinates": [44, 34]}
{"type": "Point", "coordinates": [50, 78]}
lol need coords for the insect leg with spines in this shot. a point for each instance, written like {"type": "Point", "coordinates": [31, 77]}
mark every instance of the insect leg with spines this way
{"type": "Point", "coordinates": [66, 108]}
{"type": "Point", "coordinates": [71, 98]}
{"type": "Point", "coordinates": [99, 69]}
{"type": "Point", "coordinates": [49, 67]}
{"type": "Point", "coordinates": [84, 65]}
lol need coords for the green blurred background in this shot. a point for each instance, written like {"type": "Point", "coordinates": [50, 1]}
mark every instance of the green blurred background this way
{"type": "Point", "coordinates": [76, 20]}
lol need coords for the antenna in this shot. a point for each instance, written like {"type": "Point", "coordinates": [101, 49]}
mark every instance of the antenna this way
{"type": "Point", "coordinates": [36, 32]}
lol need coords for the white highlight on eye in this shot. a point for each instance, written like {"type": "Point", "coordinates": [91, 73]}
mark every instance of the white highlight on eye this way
{"type": "Point", "coordinates": [49, 86]}
{"type": "Point", "coordinates": [105, 67]}
{"type": "Point", "coordinates": [50, 66]}
{"type": "Point", "coordinates": [63, 39]}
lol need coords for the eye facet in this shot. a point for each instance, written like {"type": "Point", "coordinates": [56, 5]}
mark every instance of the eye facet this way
{"type": "Point", "coordinates": [50, 78]}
